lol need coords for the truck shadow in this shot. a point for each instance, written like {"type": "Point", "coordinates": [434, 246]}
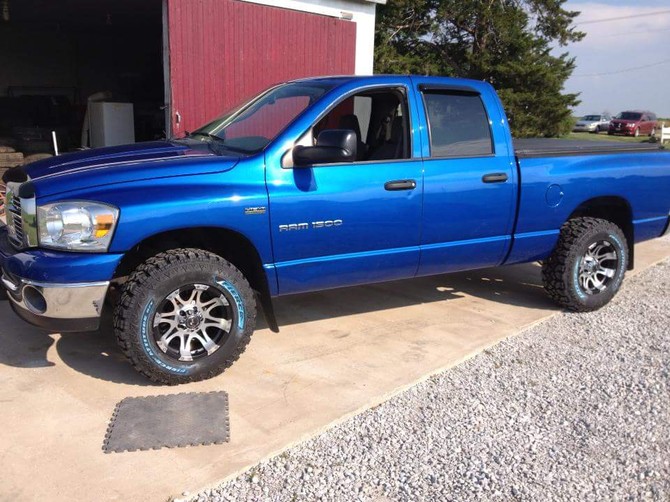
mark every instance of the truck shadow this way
{"type": "Point", "coordinates": [22, 345]}
{"type": "Point", "coordinates": [516, 285]}
{"type": "Point", "coordinates": [96, 354]}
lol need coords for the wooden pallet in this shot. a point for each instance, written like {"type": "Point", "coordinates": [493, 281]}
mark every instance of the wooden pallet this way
{"type": "Point", "coordinates": [12, 159]}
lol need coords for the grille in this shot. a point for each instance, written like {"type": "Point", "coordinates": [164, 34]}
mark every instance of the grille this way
{"type": "Point", "coordinates": [14, 219]}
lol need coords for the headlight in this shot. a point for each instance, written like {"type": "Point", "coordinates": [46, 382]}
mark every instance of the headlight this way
{"type": "Point", "coordinates": [76, 225]}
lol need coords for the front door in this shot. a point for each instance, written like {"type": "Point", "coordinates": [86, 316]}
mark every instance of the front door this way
{"type": "Point", "coordinates": [350, 223]}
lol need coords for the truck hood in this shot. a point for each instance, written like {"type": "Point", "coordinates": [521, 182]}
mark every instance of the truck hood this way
{"type": "Point", "coordinates": [624, 121]}
{"type": "Point", "coordinates": [122, 164]}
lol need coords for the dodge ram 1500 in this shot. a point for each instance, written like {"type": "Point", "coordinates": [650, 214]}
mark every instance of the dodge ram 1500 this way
{"type": "Point", "coordinates": [313, 184]}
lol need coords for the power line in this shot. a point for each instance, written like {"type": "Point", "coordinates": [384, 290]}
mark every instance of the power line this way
{"type": "Point", "coordinates": [622, 18]}
{"type": "Point", "coordinates": [666, 61]}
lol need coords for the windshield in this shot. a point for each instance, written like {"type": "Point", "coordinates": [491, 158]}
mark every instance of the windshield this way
{"type": "Point", "coordinates": [592, 117]}
{"type": "Point", "coordinates": [251, 127]}
{"type": "Point", "coordinates": [630, 116]}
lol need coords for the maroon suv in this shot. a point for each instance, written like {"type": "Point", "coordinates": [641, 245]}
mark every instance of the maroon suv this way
{"type": "Point", "coordinates": [633, 124]}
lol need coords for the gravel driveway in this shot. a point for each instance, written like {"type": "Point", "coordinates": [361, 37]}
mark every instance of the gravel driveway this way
{"type": "Point", "coordinates": [576, 408]}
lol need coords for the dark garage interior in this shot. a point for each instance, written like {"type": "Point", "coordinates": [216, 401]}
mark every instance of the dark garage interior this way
{"type": "Point", "coordinates": [56, 54]}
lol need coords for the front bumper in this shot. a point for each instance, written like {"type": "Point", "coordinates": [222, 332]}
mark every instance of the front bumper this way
{"type": "Point", "coordinates": [59, 291]}
{"type": "Point", "coordinates": [59, 307]}
{"type": "Point", "coordinates": [626, 131]}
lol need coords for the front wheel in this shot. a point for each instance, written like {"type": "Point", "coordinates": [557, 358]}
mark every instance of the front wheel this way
{"type": "Point", "coordinates": [588, 265]}
{"type": "Point", "coordinates": [637, 132]}
{"type": "Point", "coordinates": [184, 315]}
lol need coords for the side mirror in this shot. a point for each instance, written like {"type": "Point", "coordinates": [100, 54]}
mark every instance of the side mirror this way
{"type": "Point", "coordinates": [333, 145]}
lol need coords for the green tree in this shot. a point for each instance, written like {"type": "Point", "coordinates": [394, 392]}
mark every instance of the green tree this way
{"type": "Point", "coordinates": [504, 42]}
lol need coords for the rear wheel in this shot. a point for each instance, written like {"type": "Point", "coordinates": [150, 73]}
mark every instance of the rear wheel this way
{"type": "Point", "coordinates": [652, 133]}
{"type": "Point", "coordinates": [185, 315]}
{"type": "Point", "coordinates": [588, 265]}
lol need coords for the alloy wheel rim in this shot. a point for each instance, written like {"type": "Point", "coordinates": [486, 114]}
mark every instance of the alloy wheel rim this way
{"type": "Point", "coordinates": [598, 266]}
{"type": "Point", "coordinates": [192, 322]}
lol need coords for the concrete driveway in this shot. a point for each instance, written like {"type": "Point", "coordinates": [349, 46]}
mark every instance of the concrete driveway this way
{"type": "Point", "coordinates": [339, 352]}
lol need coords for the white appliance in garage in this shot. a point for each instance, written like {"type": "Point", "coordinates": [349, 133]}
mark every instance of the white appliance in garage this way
{"type": "Point", "coordinates": [111, 124]}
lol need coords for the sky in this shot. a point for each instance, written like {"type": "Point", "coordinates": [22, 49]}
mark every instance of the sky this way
{"type": "Point", "coordinates": [622, 64]}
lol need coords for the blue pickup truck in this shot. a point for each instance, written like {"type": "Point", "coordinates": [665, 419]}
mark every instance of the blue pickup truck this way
{"type": "Point", "coordinates": [313, 184]}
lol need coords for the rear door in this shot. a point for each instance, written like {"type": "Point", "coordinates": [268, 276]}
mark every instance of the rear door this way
{"type": "Point", "coordinates": [470, 178]}
{"type": "Point", "coordinates": [222, 52]}
{"type": "Point", "coordinates": [644, 124]}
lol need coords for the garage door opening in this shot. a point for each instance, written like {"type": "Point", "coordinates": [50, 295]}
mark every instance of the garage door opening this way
{"type": "Point", "coordinates": [58, 54]}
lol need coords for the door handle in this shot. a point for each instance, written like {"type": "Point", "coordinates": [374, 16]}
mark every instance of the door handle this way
{"type": "Point", "coordinates": [495, 178]}
{"type": "Point", "coordinates": [395, 185]}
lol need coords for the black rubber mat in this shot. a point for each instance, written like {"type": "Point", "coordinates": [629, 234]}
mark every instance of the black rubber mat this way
{"type": "Point", "coordinates": [176, 420]}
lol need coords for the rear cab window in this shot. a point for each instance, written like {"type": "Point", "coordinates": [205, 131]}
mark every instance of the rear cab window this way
{"type": "Point", "coordinates": [458, 124]}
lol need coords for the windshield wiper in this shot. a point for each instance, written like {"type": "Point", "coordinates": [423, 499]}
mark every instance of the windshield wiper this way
{"type": "Point", "coordinates": [207, 135]}
{"type": "Point", "coordinates": [218, 141]}
{"type": "Point", "coordinates": [222, 142]}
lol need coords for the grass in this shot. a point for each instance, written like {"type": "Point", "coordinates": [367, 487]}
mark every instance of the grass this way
{"type": "Point", "coordinates": [603, 136]}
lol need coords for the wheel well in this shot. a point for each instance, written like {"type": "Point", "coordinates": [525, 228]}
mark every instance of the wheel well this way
{"type": "Point", "coordinates": [228, 244]}
{"type": "Point", "coordinates": [614, 209]}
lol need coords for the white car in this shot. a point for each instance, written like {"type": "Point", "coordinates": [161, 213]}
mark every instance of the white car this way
{"type": "Point", "coordinates": [593, 123]}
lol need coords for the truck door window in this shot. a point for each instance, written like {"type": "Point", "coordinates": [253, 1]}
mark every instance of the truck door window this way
{"type": "Point", "coordinates": [380, 120]}
{"type": "Point", "coordinates": [458, 125]}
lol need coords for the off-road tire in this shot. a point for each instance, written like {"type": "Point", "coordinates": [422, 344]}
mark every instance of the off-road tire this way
{"type": "Point", "coordinates": [151, 283]}
{"type": "Point", "coordinates": [560, 272]}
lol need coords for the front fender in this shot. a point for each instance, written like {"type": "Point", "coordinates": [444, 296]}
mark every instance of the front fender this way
{"type": "Point", "coordinates": [219, 200]}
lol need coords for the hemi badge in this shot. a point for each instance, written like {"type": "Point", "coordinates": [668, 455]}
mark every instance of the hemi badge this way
{"type": "Point", "coordinates": [254, 210]}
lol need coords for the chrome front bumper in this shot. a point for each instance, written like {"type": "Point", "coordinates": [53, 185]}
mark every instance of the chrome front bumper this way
{"type": "Point", "coordinates": [62, 307]}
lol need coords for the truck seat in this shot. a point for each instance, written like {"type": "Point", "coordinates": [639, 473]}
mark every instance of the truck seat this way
{"type": "Point", "coordinates": [351, 122]}
{"type": "Point", "coordinates": [393, 147]}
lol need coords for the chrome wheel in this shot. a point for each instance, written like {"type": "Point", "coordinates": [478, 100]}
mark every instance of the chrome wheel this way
{"type": "Point", "coordinates": [598, 267]}
{"type": "Point", "coordinates": [192, 322]}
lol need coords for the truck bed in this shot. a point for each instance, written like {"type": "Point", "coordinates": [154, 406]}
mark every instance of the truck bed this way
{"type": "Point", "coordinates": [550, 147]}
